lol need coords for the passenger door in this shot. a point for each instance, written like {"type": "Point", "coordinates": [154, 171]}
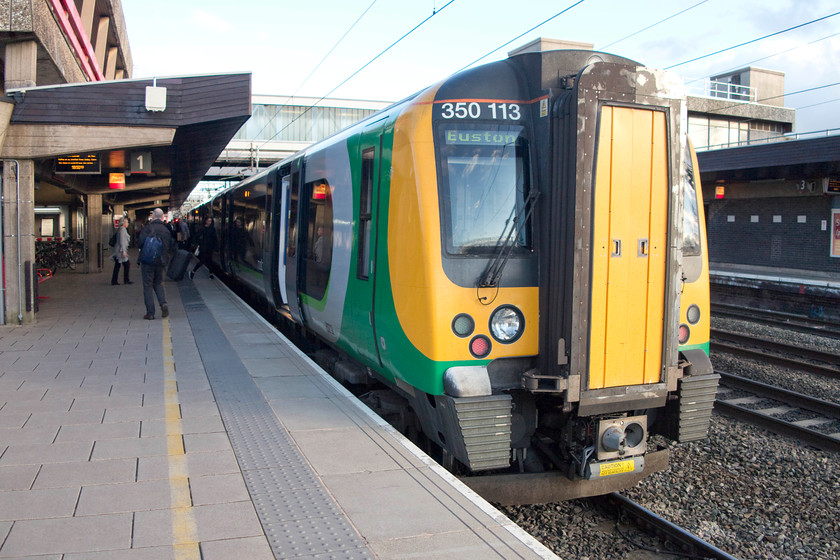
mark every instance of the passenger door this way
{"type": "Point", "coordinates": [292, 256]}
{"type": "Point", "coordinates": [370, 157]}
{"type": "Point", "coordinates": [629, 260]}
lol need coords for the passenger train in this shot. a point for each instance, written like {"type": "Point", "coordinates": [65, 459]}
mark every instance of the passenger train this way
{"type": "Point", "coordinates": [518, 253]}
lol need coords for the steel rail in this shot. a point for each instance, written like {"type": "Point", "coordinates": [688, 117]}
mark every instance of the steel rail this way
{"type": "Point", "coordinates": [788, 321]}
{"type": "Point", "coordinates": [820, 406]}
{"type": "Point", "coordinates": [822, 369]}
{"type": "Point", "coordinates": [812, 437]}
{"type": "Point", "coordinates": [671, 532]}
{"type": "Point", "coordinates": [755, 341]}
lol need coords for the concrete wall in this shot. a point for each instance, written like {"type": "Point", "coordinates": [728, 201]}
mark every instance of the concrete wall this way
{"type": "Point", "coordinates": [795, 240]}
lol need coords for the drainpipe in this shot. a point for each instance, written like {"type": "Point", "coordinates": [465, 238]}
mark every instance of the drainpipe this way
{"type": "Point", "coordinates": [19, 251]}
{"type": "Point", "coordinates": [2, 261]}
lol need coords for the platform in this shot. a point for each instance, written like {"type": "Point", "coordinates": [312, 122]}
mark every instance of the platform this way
{"type": "Point", "coordinates": [207, 435]}
{"type": "Point", "coordinates": [727, 272]}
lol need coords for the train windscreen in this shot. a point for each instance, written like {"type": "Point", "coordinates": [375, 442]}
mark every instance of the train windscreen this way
{"type": "Point", "coordinates": [484, 185]}
{"type": "Point", "coordinates": [691, 214]}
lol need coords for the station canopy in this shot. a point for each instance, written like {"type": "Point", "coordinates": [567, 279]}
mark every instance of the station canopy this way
{"type": "Point", "coordinates": [138, 143]}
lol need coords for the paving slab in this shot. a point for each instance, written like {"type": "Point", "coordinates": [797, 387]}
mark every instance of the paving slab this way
{"type": "Point", "coordinates": [126, 438]}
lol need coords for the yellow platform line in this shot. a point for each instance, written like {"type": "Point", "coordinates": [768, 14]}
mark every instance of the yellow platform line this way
{"type": "Point", "coordinates": [184, 529]}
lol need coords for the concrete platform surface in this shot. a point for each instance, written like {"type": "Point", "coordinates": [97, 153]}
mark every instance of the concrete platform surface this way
{"type": "Point", "coordinates": [207, 435]}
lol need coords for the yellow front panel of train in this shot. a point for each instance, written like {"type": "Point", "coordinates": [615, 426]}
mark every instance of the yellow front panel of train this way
{"type": "Point", "coordinates": [629, 248]}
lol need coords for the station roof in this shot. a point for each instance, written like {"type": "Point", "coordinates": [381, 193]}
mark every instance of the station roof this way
{"type": "Point", "coordinates": [112, 120]}
{"type": "Point", "coordinates": [780, 160]}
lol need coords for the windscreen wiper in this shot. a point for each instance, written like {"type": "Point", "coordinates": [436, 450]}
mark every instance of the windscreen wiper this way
{"type": "Point", "coordinates": [493, 274]}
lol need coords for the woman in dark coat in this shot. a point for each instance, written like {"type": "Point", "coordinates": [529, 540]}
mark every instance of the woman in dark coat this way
{"type": "Point", "coordinates": [207, 244]}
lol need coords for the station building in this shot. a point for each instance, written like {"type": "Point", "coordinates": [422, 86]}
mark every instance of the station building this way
{"type": "Point", "coordinates": [772, 196]}
{"type": "Point", "coordinates": [80, 141]}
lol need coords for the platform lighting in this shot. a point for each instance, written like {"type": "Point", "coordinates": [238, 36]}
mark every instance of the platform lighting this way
{"type": "Point", "coordinates": [155, 97]}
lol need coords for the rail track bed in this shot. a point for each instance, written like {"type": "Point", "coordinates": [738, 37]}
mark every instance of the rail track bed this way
{"type": "Point", "coordinates": [813, 421]}
{"type": "Point", "coordinates": [777, 352]}
{"type": "Point", "coordinates": [676, 540]}
{"type": "Point", "coordinates": [788, 321]}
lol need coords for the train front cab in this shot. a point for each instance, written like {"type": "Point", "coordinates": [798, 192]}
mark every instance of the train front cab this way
{"type": "Point", "coordinates": [614, 284]}
{"type": "Point", "coordinates": [612, 318]}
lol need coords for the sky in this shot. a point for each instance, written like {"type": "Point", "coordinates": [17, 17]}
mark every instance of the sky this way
{"type": "Point", "coordinates": [340, 48]}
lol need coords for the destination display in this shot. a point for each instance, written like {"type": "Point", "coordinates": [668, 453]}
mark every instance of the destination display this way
{"type": "Point", "coordinates": [78, 163]}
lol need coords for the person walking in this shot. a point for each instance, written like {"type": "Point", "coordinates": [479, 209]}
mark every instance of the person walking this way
{"type": "Point", "coordinates": [156, 246]}
{"type": "Point", "coordinates": [119, 254]}
{"type": "Point", "coordinates": [182, 231]}
{"type": "Point", "coordinates": [207, 244]}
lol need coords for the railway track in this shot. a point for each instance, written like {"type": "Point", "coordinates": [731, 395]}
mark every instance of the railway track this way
{"type": "Point", "coordinates": [677, 540]}
{"type": "Point", "coordinates": [765, 406]}
{"type": "Point", "coordinates": [787, 321]}
{"type": "Point", "coordinates": [813, 361]}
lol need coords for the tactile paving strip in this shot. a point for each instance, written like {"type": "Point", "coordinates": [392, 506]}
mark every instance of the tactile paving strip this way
{"type": "Point", "coordinates": [298, 515]}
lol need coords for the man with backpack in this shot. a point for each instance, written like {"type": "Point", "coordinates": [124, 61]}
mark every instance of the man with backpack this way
{"type": "Point", "coordinates": [156, 246]}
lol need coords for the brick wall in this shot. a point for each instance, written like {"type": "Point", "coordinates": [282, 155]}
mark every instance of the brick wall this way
{"type": "Point", "coordinates": [772, 232]}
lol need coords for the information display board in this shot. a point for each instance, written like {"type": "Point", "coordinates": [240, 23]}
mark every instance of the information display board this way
{"type": "Point", "coordinates": [78, 163]}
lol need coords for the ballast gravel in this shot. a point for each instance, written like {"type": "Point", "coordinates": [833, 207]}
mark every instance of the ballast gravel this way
{"type": "Point", "coordinates": [747, 491]}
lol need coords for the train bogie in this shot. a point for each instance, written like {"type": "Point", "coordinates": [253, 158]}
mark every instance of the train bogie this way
{"type": "Point", "coordinates": [518, 252]}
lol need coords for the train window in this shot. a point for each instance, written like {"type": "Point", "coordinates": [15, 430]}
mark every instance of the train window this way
{"type": "Point", "coordinates": [691, 214]}
{"type": "Point", "coordinates": [484, 183]}
{"type": "Point", "coordinates": [318, 230]}
{"type": "Point", "coordinates": [247, 232]}
{"type": "Point", "coordinates": [292, 220]}
{"type": "Point", "coordinates": [363, 263]}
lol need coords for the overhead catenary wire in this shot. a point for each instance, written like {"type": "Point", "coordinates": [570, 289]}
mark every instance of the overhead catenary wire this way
{"type": "Point", "coordinates": [653, 25]}
{"type": "Point", "coordinates": [351, 76]}
{"type": "Point", "coordinates": [358, 19]}
{"type": "Point", "coordinates": [746, 64]}
{"type": "Point", "coordinates": [334, 47]}
{"type": "Point", "coordinates": [521, 35]}
{"type": "Point", "coordinates": [817, 104]}
{"type": "Point", "coordinates": [752, 41]}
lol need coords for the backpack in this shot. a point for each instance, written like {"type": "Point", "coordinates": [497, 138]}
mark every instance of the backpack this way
{"type": "Point", "coordinates": [113, 240]}
{"type": "Point", "coordinates": [152, 251]}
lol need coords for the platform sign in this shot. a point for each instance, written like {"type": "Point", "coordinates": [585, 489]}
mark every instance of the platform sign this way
{"type": "Point", "coordinates": [835, 233]}
{"type": "Point", "coordinates": [78, 164]}
{"type": "Point", "coordinates": [141, 162]}
{"type": "Point", "coordinates": [833, 186]}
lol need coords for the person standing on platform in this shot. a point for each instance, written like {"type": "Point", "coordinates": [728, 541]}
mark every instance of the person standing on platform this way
{"type": "Point", "coordinates": [119, 253]}
{"type": "Point", "coordinates": [183, 233]}
{"type": "Point", "coordinates": [153, 258]}
{"type": "Point", "coordinates": [207, 244]}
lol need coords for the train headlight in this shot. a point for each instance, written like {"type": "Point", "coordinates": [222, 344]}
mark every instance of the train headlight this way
{"type": "Point", "coordinates": [693, 314]}
{"type": "Point", "coordinates": [507, 324]}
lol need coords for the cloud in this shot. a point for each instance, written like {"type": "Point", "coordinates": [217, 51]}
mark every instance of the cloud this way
{"type": "Point", "coordinates": [210, 22]}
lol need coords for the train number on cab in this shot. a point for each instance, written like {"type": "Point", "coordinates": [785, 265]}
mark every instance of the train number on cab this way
{"type": "Point", "coordinates": [473, 110]}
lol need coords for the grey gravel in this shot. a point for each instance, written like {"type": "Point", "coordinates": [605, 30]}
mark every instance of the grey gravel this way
{"type": "Point", "coordinates": [749, 492]}
{"type": "Point", "coordinates": [811, 384]}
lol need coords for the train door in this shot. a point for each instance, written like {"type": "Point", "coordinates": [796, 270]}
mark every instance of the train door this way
{"type": "Point", "coordinates": [281, 208]}
{"type": "Point", "coordinates": [269, 252]}
{"type": "Point", "coordinates": [293, 221]}
{"type": "Point", "coordinates": [218, 213]}
{"type": "Point", "coordinates": [370, 151]}
{"type": "Point", "coordinates": [629, 253]}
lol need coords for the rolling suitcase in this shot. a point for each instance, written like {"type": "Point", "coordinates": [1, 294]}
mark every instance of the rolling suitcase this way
{"type": "Point", "coordinates": [178, 265]}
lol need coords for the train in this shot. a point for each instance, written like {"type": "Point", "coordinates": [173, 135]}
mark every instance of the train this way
{"type": "Point", "coordinates": [515, 258]}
